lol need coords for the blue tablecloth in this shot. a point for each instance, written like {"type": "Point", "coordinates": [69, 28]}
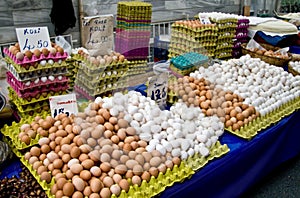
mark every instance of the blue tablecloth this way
{"type": "Point", "coordinates": [246, 163]}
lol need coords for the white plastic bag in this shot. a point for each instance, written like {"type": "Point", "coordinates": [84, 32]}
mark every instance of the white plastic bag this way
{"type": "Point", "coordinates": [61, 41]}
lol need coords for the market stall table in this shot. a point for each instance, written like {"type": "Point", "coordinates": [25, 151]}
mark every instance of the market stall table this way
{"type": "Point", "coordinates": [245, 164]}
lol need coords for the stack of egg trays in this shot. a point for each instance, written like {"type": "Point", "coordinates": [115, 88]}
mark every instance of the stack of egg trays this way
{"type": "Point", "coordinates": [72, 70]}
{"type": "Point", "coordinates": [133, 29]}
{"type": "Point", "coordinates": [96, 80]}
{"type": "Point", "coordinates": [33, 81]}
{"type": "Point", "coordinates": [31, 106]}
{"type": "Point", "coordinates": [136, 67]}
{"type": "Point", "coordinates": [226, 34]}
{"type": "Point", "coordinates": [241, 36]}
{"type": "Point", "coordinates": [31, 89]}
{"type": "Point", "coordinates": [186, 39]}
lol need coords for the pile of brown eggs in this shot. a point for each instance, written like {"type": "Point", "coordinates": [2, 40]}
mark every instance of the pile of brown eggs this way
{"type": "Point", "coordinates": [228, 106]}
{"type": "Point", "coordinates": [15, 50]}
{"type": "Point", "coordinates": [94, 154]}
{"type": "Point", "coordinates": [112, 57]}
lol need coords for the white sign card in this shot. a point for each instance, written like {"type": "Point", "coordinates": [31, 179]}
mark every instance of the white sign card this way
{"type": "Point", "coordinates": [158, 87]}
{"type": "Point", "coordinates": [204, 19]}
{"type": "Point", "coordinates": [31, 38]}
{"type": "Point", "coordinates": [98, 34]}
{"type": "Point", "coordinates": [63, 104]}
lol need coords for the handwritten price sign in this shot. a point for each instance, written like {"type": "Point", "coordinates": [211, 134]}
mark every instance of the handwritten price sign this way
{"type": "Point", "coordinates": [158, 87]}
{"type": "Point", "coordinates": [63, 104]}
{"type": "Point", "coordinates": [31, 38]}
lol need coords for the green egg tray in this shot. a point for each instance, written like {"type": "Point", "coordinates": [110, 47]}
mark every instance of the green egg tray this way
{"type": "Point", "coordinates": [248, 131]}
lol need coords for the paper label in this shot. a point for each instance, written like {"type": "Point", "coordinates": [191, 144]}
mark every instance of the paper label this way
{"type": "Point", "coordinates": [31, 38]}
{"type": "Point", "coordinates": [97, 34]}
{"type": "Point", "coordinates": [204, 19]}
{"type": "Point", "coordinates": [63, 104]}
{"type": "Point", "coordinates": [157, 88]}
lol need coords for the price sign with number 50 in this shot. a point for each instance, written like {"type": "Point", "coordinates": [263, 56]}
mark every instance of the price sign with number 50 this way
{"type": "Point", "coordinates": [31, 38]}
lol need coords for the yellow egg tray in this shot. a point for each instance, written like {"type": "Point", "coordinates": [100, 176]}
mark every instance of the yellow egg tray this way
{"type": "Point", "coordinates": [13, 132]}
{"type": "Point", "coordinates": [45, 186]}
{"type": "Point", "coordinates": [203, 28]}
{"type": "Point", "coordinates": [196, 161]}
{"type": "Point", "coordinates": [22, 74]}
{"type": "Point", "coordinates": [250, 130]}
{"type": "Point", "coordinates": [22, 101]}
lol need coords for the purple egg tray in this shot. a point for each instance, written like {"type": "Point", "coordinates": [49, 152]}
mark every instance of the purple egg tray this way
{"type": "Point", "coordinates": [26, 61]}
{"type": "Point", "coordinates": [31, 89]}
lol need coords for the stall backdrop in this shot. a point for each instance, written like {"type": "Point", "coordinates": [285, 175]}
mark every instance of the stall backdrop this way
{"type": "Point", "coordinates": [27, 13]}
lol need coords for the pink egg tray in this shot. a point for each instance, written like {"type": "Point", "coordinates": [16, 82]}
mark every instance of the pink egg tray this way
{"type": "Point", "coordinates": [33, 88]}
{"type": "Point", "coordinates": [34, 58]}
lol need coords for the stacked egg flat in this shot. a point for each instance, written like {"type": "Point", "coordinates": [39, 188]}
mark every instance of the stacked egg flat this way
{"type": "Point", "coordinates": [34, 76]}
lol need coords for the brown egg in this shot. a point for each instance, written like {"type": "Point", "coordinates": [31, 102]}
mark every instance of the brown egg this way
{"type": "Point", "coordinates": [58, 163]}
{"type": "Point", "coordinates": [45, 51]}
{"type": "Point", "coordinates": [96, 185]}
{"type": "Point", "coordinates": [105, 193]}
{"type": "Point", "coordinates": [78, 183]}
{"type": "Point", "coordinates": [26, 139]}
{"type": "Point", "coordinates": [77, 194]}
{"type": "Point", "coordinates": [124, 184]}
{"type": "Point", "coordinates": [115, 189]}
{"type": "Point", "coordinates": [76, 168]}
{"type": "Point", "coordinates": [41, 169]}
{"type": "Point", "coordinates": [68, 189]}
{"type": "Point", "coordinates": [153, 171]}
{"type": "Point", "coordinates": [28, 54]}
{"type": "Point", "coordinates": [107, 181]}
{"type": "Point", "coordinates": [46, 176]}
{"type": "Point", "coordinates": [59, 194]}
{"type": "Point", "coordinates": [136, 180]}
{"type": "Point", "coordinates": [35, 151]}
{"type": "Point", "coordinates": [75, 152]}
{"type": "Point", "coordinates": [85, 175]}
{"type": "Point", "coordinates": [146, 176]}
{"type": "Point", "coordinates": [105, 166]}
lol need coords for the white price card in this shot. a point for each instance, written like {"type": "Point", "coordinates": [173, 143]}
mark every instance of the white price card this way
{"type": "Point", "coordinates": [31, 38]}
{"type": "Point", "coordinates": [204, 19]}
{"type": "Point", "coordinates": [158, 87]}
{"type": "Point", "coordinates": [63, 104]}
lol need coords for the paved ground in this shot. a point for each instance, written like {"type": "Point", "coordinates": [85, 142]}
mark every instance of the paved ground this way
{"type": "Point", "coordinates": [283, 182]}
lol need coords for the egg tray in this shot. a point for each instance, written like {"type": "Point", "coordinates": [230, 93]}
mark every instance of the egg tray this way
{"type": "Point", "coordinates": [26, 61]}
{"type": "Point", "coordinates": [188, 61]}
{"type": "Point", "coordinates": [292, 70]}
{"type": "Point", "coordinates": [107, 74]}
{"type": "Point", "coordinates": [102, 89]}
{"type": "Point", "coordinates": [24, 91]}
{"type": "Point", "coordinates": [27, 101]}
{"type": "Point", "coordinates": [203, 28]}
{"type": "Point", "coordinates": [25, 75]}
{"type": "Point", "coordinates": [29, 109]}
{"type": "Point", "coordinates": [95, 83]}
{"type": "Point", "coordinates": [251, 129]}
{"type": "Point", "coordinates": [135, 33]}
{"type": "Point", "coordinates": [22, 85]}
{"type": "Point", "coordinates": [45, 186]}
{"type": "Point", "coordinates": [13, 131]}
{"type": "Point", "coordinates": [197, 161]}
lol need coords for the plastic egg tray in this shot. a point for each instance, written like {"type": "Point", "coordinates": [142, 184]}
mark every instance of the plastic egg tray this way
{"type": "Point", "coordinates": [30, 89]}
{"type": "Point", "coordinates": [45, 186]}
{"type": "Point", "coordinates": [13, 131]}
{"type": "Point", "coordinates": [103, 72]}
{"type": "Point", "coordinates": [21, 74]}
{"type": "Point", "coordinates": [188, 61]}
{"type": "Point", "coordinates": [251, 129]}
{"type": "Point", "coordinates": [31, 62]}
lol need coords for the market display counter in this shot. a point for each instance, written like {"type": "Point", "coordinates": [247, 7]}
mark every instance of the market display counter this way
{"type": "Point", "coordinates": [245, 164]}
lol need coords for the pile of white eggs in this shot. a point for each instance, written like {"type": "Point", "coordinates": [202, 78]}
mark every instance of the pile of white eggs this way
{"type": "Point", "coordinates": [262, 85]}
{"type": "Point", "coordinates": [181, 131]}
{"type": "Point", "coordinates": [295, 65]}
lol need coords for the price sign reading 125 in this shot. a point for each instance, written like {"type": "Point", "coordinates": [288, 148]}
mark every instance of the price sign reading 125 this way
{"type": "Point", "coordinates": [31, 38]}
{"type": "Point", "coordinates": [63, 104]}
{"type": "Point", "coordinates": [158, 87]}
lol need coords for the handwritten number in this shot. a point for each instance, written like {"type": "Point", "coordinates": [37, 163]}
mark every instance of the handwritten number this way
{"type": "Point", "coordinates": [60, 111]}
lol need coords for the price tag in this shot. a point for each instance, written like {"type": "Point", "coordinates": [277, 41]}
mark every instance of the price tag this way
{"type": "Point", "coordinates": [158, 87]}
{"type": "Point", "coordinates": [63, 104]}
{"type": "Point", "coordinates": [204, 19]}
{"type": "Point", "coordinates": [31, 38]}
